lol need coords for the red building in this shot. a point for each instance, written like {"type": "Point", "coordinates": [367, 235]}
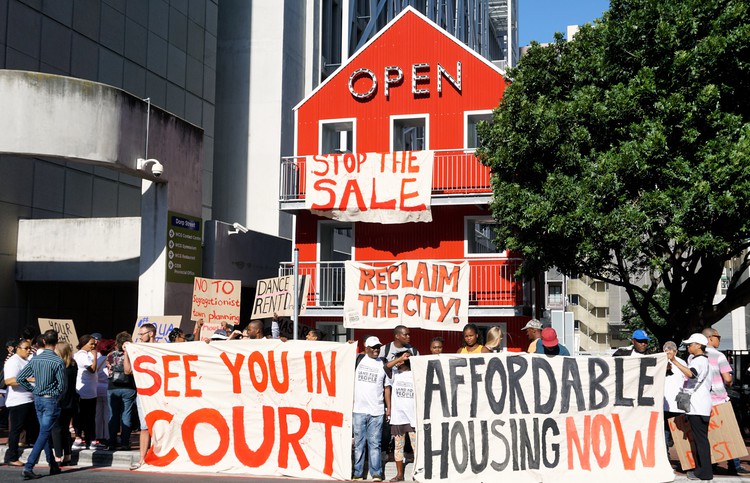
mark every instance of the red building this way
{"type": "Point", "coordinates": [412, 87]}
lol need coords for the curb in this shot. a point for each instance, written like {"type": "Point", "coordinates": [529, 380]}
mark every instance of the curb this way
{"type": "Point", "coordinates": [89, 457]}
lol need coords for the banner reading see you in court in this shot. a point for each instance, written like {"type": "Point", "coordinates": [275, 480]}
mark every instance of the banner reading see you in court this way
{"type": "Point", "coordinates": [260, 407]}
{"type": "Point", "coordinates": [526, 418]}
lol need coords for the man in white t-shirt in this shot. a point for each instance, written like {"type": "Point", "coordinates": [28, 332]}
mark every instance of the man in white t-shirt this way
{"type": "Point", "coordinates": [369, 409]}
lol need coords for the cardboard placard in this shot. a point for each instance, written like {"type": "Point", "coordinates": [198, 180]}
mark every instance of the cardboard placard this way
{"type": "Point", "coordinates": [276, 295]}
{"type": "Point", "coordinates": [723, 435]}
{"type": "Point", "coordinates": [215, 301]}
{"type": "Point", "coordinates": [164, 324]}
{"type": "Point", "coordinates": [66, 330]}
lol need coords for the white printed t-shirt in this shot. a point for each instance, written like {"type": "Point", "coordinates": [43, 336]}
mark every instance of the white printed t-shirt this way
{"type": "Point", "coordinates": [403, 405]}
{"type": "Point", "coordinates": [369, 379]}
{"type": "Point", "coordinates": [700, 400]}
{"type": "Point", "coordinates": [86, 382]}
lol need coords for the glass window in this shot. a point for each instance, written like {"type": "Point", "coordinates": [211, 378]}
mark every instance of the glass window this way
{"type": "Point", "coordinates": [472, 137]}
{"type": "Point", "coordinates": [410, 134]}
{"type": "Point", "coordinates": [337, 137]}
{"type": "Point", "coordinates": [480, 236]}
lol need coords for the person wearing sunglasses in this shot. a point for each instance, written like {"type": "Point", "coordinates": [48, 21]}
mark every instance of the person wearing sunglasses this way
{"type": "Point", "coordinates": [640, 341]}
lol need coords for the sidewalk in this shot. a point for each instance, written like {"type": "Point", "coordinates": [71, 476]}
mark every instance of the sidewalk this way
{"type": "Point", "coordinates": [123, 460]}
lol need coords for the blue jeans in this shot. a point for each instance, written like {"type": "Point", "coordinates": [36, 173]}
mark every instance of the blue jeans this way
{"type": "Point", "coordinates": [121, 401]}
{"type": "Point", "coordinates": [47, 411]}
{"type": "Point", "coordinates": [367, 427]}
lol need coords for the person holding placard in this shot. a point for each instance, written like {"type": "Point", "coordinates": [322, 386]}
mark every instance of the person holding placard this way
{"type": "Point", "coordinates": [120, 395]}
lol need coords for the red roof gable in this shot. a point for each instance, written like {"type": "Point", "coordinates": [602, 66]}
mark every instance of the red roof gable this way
{"type": "Point", "coordinates": [410, 39]}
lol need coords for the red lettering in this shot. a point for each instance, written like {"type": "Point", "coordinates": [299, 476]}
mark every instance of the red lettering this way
{"type": "Point", "coordinates": [256, 358]}
{"type": "Point", "coordinates": [287, 439]}
{"type": "Point", "coordinates": [234, 369]}
{"type": "Point", "coordinates": [166, 360]}
{"type": "Point", "coordinates": [279, 386]}
{"type": "Point", "coordinates": [189, 375]}
{"type": "Point", "coordinates": [628, 460]}
{"type": "Point", "coordinates": [151, 457]}
{"type": "Point", "coordinates": [329, 379]}
{"type": "Point", "coordinates": [206, 416]}
{"type": "Point", "coordinates": [352, 187]}
{"type": "Point", "coordinates": [380, 205]}
{"type": "Point", "coordinates": [248, 457]}
{"type": "Point", "coordinates": [329, 420]}
{"type": "Point", "coordinates": [573, 442]}
{"type": "Point", "coordinates": [321, 160]}
{"type": "Point", "coordinates": [599, 425]}
{"type": "Point", "coordinates": [138, 366]}
{"type": "Point", "coordinates": [319, 186]}
{"type": "Point", "coordinates": [407, 196]}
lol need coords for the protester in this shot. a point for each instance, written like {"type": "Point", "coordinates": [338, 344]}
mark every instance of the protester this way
{"type": "Point", "coordinates": [61, 440]}
{"type": "Point", "coordinates": [639, 348]}
{"type": "Point", "coordinates": [254, 330]}
{"type": "Point", "coordinates": [674, 381]}
{"type": "Point", "coordinates": [197, 330]}
{"type": "Point", "coordinates": [494, 341]}
{"type": "Point", "coordinates": [436, 345]}
{"type": "Point", "coordinates": [369, 407]}
{"type": "Point", "coordinates": [533, 330]}
{"type": "Point", "coordinates": [471, 341]}
{"type": "Point", "coordinates": [403, 412]}
{"type": "Point", "coordinates": [276, 322]}
{"type": "Point", "coordinates": [146, 335]}
{"type": "Point", "coordinates": [313, 334]}
{"type": "Point", "coordinates": [721, 377]}
{"type": "Point", "coordinates": [399, 345]}
{"type": "Point", "coordinates": [219, 334]}
{"type": "Point", "coordinates": [48, 371]}
{"type": "Point", "coordinates": [697, 371]}
{"type": "Point", "coordinates": [120, 395]}
{"type": "Point", "coordinates": [176, 335]}
{"type": "Point", "coordinates": [103, 348]}
{"type": "Point", "coordinates": [550, 345]}
{"type": "Point", "coordinates": [20, 403]}
{"type": "Point", "coordinates": [86, 385]}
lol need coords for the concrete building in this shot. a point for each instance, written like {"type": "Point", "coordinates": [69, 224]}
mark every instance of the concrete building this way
{"type": "Point", "coordinates": [228, 75]}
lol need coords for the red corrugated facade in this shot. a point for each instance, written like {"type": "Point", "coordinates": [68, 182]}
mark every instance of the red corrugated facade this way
{"type": "Point", "coordinates": [410, 39]}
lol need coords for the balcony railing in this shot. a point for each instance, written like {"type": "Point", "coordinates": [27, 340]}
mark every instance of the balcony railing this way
{"type": "Point", "coordinates": [492, 282]}
{"type": "Point", "coordinates": [454, 173]}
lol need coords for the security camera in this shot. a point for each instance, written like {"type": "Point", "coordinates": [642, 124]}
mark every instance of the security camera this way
{"type": "Point", "coordinates": [156, 167]}
{"type": "Point", "coordinates": [239, 228]}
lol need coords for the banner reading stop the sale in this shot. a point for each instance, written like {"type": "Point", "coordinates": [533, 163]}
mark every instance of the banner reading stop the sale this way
{"type": "Point", "coordinates": [371, 187]}
{"type": "Point", "coordinates": [255, 407]}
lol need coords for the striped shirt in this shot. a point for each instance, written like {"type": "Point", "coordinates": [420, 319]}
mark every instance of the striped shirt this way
{"type": "Point", "coordinates": [49, 373]}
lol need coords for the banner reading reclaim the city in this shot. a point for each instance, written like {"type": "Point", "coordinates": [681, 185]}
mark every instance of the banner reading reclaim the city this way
{"type": "Point", "coordinates": [261, 407]}
{"type": "Point", "coordinates": [526, 418]}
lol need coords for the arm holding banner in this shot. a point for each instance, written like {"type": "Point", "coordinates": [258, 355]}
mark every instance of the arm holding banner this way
{"type": "Point", "coordinates": [688, 373]}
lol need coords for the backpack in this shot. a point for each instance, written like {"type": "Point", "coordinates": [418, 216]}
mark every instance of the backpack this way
{"type": "Point", "coordinates": [117, 370]}
{"type": "Point", "coordinates": [387, 350]}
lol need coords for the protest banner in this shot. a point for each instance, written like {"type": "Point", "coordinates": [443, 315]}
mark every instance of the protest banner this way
{"type": "Point", "coordinates": [66, 330]}
{"type": "Point", "coordinates": [381, 188]}
{"type": "Point", "coordinates": [164, 324]}
{"type": "Point", "coordinates": [276, 295]}
{"type": "Point", "coordinates": [215, 301]}
{"type": "Point", "coordinates": [413, 293]}
{"type": "Point", "coordinates": [255, 407]}
{"type": "Point", "coordinates": [724, 437]}
{"type": "Point", "coordinates": [533, 418]}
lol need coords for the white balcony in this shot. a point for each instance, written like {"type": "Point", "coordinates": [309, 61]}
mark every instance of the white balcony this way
{"type": "Point", "coordinates": [457, 178]}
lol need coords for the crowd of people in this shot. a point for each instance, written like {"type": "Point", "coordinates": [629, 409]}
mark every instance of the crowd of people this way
{"type": "Point", "coordinates": [95, 401]}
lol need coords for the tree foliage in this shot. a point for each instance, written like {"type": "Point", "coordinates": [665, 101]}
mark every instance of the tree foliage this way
{"type": "Point", "coordinates": [623, 155]}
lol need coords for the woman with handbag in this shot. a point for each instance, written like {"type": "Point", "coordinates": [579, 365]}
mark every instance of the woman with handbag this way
{"type": "Point", "coordinates": [698, 410]}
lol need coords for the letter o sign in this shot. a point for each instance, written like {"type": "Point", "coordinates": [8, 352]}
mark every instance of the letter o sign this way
{"type": "Point", "coordinates": [362, 73]}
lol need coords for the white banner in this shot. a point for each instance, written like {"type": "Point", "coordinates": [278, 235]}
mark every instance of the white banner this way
{"type": "Point", "coordinates": [533, 418]}
{"type": "Point", "coordinates": [255, 407]}
{"type": "Point", "coordinates": [427, 294]}
{"type": "Point", "coordinates": [276, 296]}
{"type": "Point", "coordinates": [382, 188]}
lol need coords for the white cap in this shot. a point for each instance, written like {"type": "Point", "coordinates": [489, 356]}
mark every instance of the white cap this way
{"type": "Point", "coordinates": [372, 341]}
{"type": "Point", "coordinates": [699, 338]}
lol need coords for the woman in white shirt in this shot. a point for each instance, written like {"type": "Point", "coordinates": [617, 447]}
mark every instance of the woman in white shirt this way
{"type": "Point", "coordinates": [697, 371]}
{"type": "Point", "coordinates": [86, 384]}
{"type": "Point", "coordinates": [20, 403]}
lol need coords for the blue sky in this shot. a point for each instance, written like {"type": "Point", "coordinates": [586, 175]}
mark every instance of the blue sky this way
{"type": "Point", "coordinates": [540, 19]}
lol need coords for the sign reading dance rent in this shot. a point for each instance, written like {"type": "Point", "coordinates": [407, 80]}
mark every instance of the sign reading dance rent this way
{"type": "Point", "coordinates": [527, 418]}
{"type": "Point", "coordinates": [411, 292]}
{"type": "Point", "coordinates": [255, 407]}
{"type": "Point", "coordinates": [371, 187]}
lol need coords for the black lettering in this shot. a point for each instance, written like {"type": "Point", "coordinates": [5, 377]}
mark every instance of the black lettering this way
{"type": "Point", "coordinates": [456, 380]}
{"type": "Point", "coordinates": [620, 400]}
{"type": "Point", "coordinates": [476, 378]}
{"type": "Point", "coordinates": [496, 367]}
{"type": "Point", "coordinates": [595, 383]}
{"type": "Point", "coordinates": [550, 424]}
{"type": "Point", "coordinates": [645, 380]}
{"type": "Point", "coordinates": [571, 379]}
{"type": "Point", "coordinates": [434, 369]}
{"type": "Point", "coordinates": [459, 449]}
{"type": "Point", "coordinates": [539, 365]}
{"type": "Point", "coordinates": [530, 448]}
{"type": "Point", "coordinates": [441, 453]}
{"type": "Point", "coordinates": [478, 466]}
{"type": "Point", "coordinates": [517, 366]}
{"type": "Point", "coordinates": [503, 464]}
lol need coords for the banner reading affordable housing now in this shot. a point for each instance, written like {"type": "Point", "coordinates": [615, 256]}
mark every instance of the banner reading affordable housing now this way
{"type": "Point", "coordinates": [256, 407]}
{"type": "Point", "coordinates": [532, 418]}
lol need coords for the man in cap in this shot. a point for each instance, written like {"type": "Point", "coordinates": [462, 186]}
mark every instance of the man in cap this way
{"type": "Point", "coordinates": [640, 345]}
{"type": "Point", "coordinates": [371, 403]}
{"type": "Point", "coordinates": [550, 345]}
{"type": "Point", "coordinates": [533, 330]}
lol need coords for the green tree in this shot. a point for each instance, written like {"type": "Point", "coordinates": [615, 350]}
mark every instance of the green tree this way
{"type": "Point", "coordinates": [623, 155]}
{"type": "Point", "coordinates": [631, 320]}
